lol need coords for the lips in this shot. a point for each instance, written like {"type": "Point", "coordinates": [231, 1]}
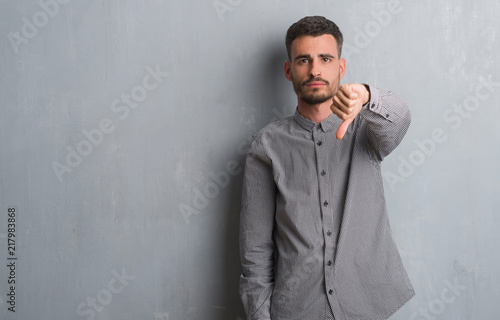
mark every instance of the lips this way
{"type": "Point", "coordinates": [316, 84]}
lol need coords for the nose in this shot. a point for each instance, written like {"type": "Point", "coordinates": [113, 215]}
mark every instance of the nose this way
{"type": "Point", "coordinates": [315, 70]}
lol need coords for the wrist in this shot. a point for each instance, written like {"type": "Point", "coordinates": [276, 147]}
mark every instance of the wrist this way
{"type": "Point", "coordinates": [367, 94]}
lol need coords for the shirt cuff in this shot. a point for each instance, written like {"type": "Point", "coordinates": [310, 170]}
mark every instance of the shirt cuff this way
{"type": "Point", "coordinates": [375, 104]}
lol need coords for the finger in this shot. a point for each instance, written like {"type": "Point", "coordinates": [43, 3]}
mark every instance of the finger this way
{"type": "Point", "coordinates": [343, 103]}
{"type": "Point", "coordinates": [353, 95]}
{"type": "Point", "coordinates": [343, 128]}
{"type": "Point", "coordinates": [339, 109]}
{"type": "Point", "coordinates": [342, 97]}
{"type": "Point", "coordinates": [349, 91]}
{"type": "Point", "coordinates": [348, 95]}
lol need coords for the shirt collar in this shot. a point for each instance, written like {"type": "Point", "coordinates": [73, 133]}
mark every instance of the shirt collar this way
{"type": "Point", "coordinates": [330, 123]}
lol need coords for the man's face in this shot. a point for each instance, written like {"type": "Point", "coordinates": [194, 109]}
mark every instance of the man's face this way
{"type": "Point", "coordinates": [315, 68]}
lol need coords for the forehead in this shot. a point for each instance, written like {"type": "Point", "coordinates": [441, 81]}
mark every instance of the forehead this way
{"type": "Point", "coordinates": [311, 45]}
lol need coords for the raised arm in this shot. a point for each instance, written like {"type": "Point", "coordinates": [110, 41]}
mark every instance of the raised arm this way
{"type": "Point", "coordinates": [387, 117]}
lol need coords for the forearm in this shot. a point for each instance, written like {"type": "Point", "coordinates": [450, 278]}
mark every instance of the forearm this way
{"type": "Point", "coordinates": [387, 119]}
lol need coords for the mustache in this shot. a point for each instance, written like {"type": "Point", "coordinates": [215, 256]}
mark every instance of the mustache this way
{"type": "Point", "coordinates": [305, 83]}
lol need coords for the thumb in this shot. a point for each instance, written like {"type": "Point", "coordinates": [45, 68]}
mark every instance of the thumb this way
{"type": "Point", "coordinates": [343, 128]}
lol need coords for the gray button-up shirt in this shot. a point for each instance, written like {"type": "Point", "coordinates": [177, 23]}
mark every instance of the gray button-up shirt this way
{"type": "Point", "coordinates": [315, 238]}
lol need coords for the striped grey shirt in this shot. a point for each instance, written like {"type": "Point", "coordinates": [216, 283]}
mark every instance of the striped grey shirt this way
{"type": "Point", "coordinates": [315, 239]}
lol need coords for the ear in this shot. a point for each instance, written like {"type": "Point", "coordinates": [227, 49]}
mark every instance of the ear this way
{"type": "Point", "coordinates": [288, 70]}
{"type": "Point", "coordinates": [342, 67]}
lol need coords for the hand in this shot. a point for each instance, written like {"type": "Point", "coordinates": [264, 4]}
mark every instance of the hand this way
{"type": "Point", "coordinates": [347, 104]}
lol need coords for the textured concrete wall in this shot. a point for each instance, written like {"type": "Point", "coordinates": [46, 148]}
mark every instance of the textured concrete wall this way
{"type": "Point", "coordinates": [123, 129]}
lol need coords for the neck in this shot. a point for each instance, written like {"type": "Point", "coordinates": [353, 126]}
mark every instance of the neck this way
{"type": "Point", "coordinates": [315, 112]}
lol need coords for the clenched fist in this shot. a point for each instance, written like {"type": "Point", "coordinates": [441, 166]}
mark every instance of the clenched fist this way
{"type": "Point", "coordinates": [347, 104]}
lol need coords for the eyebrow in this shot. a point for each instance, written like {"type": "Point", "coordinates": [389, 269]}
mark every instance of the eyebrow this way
{"type": "Point", "coordinates": [308, 56]}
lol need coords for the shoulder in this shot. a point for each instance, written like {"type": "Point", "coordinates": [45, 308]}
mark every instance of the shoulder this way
{"type": "Point", "coordinates": [272, 129]}
{"type": "Point", "coordinates": [263, 140]}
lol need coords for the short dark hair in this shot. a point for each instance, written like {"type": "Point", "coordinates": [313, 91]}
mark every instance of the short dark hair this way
{"type": "Point", "coordinates": [313, 26]}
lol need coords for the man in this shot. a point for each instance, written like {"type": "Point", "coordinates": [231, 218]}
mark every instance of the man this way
{"type": "Point", "coordinates": [315, 238]}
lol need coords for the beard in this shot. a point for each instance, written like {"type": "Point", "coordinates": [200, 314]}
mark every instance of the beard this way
{"type": "Point", "coordinates": [314, 96]}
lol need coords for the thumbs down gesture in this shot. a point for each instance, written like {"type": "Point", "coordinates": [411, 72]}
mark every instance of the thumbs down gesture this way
{"type": "Point", "coordinates": [347, 103]}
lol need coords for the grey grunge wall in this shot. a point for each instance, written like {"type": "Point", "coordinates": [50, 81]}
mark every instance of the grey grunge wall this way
{"type": "Point", "coordinates": [124, 127]}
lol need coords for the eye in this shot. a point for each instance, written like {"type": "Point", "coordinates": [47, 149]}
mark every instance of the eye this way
{"type": "Point", "coordinates": [327, 59]}
{"type": "Point", "coordinates": [303, 61]}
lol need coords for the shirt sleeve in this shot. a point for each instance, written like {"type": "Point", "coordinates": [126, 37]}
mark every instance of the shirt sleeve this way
{"type": "Point", "coordinates": [388, 119]}
{"type": "Point", "coordinates": [256, 234]}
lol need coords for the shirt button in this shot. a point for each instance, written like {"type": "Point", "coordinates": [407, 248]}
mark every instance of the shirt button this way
{"type": "Point", "coordinates": [319, 143]}
{"type": "Point", "coordinates": [330, 291]}
{"type": "Point", "coordinates": [323, 172]}
{"type": "Point", "coordinates": [325, 203]}
{"type": "Point", "coordinates": [329, 263]}
{"type": "Point", "coordinates": [387, 115]}
{"type": "Point", "coordinates": [329, 233]}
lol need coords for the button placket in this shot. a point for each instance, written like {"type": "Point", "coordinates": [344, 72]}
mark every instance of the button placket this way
{"type": "Point", "coordinates": [324, 181]}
